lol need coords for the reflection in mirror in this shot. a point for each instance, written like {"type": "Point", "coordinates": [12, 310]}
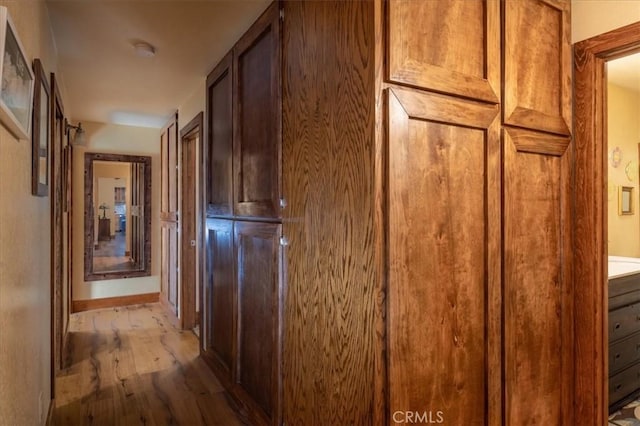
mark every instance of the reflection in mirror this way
{"type": "Point", "coordinates": [117, 216]}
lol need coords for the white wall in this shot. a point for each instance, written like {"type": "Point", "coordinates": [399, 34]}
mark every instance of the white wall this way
{"type": "Point", "coordinates": [593, 17]}
{"type": "Point", "coordinates": [117, 139]}
{"type": "Point", "coordinates": [25, 254]}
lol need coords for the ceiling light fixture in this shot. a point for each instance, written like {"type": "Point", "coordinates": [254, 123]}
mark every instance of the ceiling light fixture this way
{"type": "Point", "coordinates": [79, 138]}
{"type": "Point", "coordinates": [144, 49]}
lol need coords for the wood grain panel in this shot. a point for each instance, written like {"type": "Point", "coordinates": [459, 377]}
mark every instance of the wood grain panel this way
{"type": "Point", "coordinates": [220, 298]}
{"type": "Point", "coordinates": [443, 185]}
{"type": "Point", "coordinates": [328, 172]}
{"type": "Point", "coordinates": [538, 143]}
{"type": "Point", "coordinates": [537, 65]}
{"type": "Point", "coordinates": [446, 46]}
{"type": "Point", "coordinates": [257, 251]}
{"type": "Point", "coordinates": [219, 165]}
{"type": "Point", "coordinates": [538, 288]}
{"type": "Point", "coordinates": [257, 118]}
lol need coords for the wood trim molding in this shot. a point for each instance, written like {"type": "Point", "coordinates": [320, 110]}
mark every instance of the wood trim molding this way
{"type": "Point", "coordinates": [537, 142]}
{"type": "Point", "coordinates": [112, 302]}
{"type": "Point", "coordinates": [590, 296]}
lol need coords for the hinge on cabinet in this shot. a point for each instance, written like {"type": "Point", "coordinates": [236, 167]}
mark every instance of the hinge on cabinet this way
{"type": "Point", "coordinates": [282, 14]}
{"type": "Point", "coordinates": [284, 241]}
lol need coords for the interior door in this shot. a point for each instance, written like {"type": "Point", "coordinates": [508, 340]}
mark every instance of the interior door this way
{"type": "Point", "coordinates": [190, 137]}
{"type": "Point", "coordinates": [169, 218]}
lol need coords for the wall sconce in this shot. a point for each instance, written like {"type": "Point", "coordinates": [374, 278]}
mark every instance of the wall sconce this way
{"type": "Point", "coordinates": [79, 138]}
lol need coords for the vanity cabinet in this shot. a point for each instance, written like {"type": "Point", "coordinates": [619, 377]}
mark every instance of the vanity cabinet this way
{"type": "Point", "coordinates": [624, 340]}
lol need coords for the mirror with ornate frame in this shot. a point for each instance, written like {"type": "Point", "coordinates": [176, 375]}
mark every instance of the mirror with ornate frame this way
{"type": "Point", "coordinates": [117, 216]}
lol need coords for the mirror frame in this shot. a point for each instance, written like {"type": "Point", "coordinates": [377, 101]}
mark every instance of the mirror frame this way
{"type": "Point", "coordinates": [89, 230]}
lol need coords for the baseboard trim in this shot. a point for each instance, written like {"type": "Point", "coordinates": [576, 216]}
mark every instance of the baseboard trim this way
{"type": "Point", "coordinates": [52, 404]}
{"type": "Point", "coordinates": [112, 302]}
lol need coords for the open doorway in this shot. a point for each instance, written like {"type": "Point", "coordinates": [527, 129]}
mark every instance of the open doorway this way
{"type": "Point", "coordinates": [607, 319]}
{"type": "Point", "coordinates": [190, 224]}
{"type": "Point", "coordinates": [623, 236]}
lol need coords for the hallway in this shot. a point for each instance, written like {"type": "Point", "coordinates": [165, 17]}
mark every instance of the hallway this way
{"type": "Point", "coordinates": [130, 366]}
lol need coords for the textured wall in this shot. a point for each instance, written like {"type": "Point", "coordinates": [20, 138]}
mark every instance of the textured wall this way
{"type": "Point", "coordinates": [116, 139]}
{"type": "Point", "coordinates": [25, 309]}
{"type": "Point", "coordinates": [593, 17]}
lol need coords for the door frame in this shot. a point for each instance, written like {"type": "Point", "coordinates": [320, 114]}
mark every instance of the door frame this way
{"type": "Point", "coordinates": [590, 222]}
{"type": "Point", "coordinates": [58, 333]}
{"type": "Point", "coordinates": [187, 299]}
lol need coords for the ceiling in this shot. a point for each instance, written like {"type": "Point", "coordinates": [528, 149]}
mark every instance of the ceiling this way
{"type": "Point", "coordinates": [107, 82]}
{"type": "Point", "coordinates": [625, 72]}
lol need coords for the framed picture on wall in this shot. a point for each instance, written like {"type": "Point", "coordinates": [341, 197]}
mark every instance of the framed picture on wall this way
{"type": "Point", "coordinates": [16, 86]}
{"type": "Point", "coordinates": [625, 200]}
{"type": "Point", "coordinates": [40, 134]}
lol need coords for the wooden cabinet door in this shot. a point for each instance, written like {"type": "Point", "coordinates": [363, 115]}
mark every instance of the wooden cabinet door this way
{"type": "Point", "coordinates": [220, 299]}
{"type": "Point", "coordinates": [257, 118]}
{"type": "Point", "coordinates": [448, 46]}
{"type": "Point", "coordinates": [169, 171]}
{"type": "Point", "coordinates": [443, 308]}
{"type": "Point", "coordinates": [169, 262]}
{"type": "Point", "coordinates": [219, 190]}
{"type": "Point", "coordinates": [257, 250]}
{"type": "Point", "coordinates": [537, 65]}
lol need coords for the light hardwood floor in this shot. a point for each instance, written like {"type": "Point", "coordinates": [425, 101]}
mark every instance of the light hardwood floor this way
{"type": "Point", "coordinates": [130, 366]}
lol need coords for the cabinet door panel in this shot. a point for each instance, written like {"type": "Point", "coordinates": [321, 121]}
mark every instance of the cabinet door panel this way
{"type": "Point", "coordinates": [169, 171]}
{"type": "Point", "coordinates": [169, 272]}
{"type": "Point", "coordinates": [446, 46]}
{"type": "Point", "coordinates": [220, 124]}
{"type": "Point", "coordinates": [257, 118]}
{"type": "Point", "coordinates": [258, 277]}
{"type": "Point", "coordinates": [537, 65]}
{"type": "Point", "coordinates": [444, 257]}
{"type": "Point", "coordinates": [220, 296]}
{"type": "Point", "coordinates": [538, 321]}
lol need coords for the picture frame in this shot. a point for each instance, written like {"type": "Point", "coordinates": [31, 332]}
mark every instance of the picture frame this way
{"type": "Point", "coordinates": [17, 81]}
{"type": "Point", "coordinates": [625, 200]}
{"type": "Point", "coordinates": [40, 134]}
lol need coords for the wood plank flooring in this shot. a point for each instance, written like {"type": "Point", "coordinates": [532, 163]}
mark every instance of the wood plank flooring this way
{"type": "Point", "coordinates": [130, 366]}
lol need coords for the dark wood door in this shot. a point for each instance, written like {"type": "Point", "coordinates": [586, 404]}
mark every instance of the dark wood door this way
{"type": "Point", "coordinates": [257, 253]}
{"type": "Point", "coordinates": [257, 118]}
{"type": "Point", "coordinates": [219, 164]}
{"type": "Point", "coordinates": [220, 299]}
{"type": "Point", "coordinates": [188, 238]}
{"type": "Point", "coordinates": [169, 217]}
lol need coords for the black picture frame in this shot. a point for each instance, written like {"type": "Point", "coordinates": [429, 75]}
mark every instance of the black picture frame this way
{"type": "Point", "coordinates": [40, 133]}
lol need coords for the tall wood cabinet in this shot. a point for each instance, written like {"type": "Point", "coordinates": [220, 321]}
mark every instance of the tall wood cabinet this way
{"type": "Point", "coordinates": [243, 284]}
{"type": "Point", "coordinates": [422, 187]}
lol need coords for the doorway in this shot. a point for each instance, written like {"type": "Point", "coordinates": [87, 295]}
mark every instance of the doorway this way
{"type": "Point", "coordinates": [190, 229]}
{"type": "Point", "coordinates": [591, 219]}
